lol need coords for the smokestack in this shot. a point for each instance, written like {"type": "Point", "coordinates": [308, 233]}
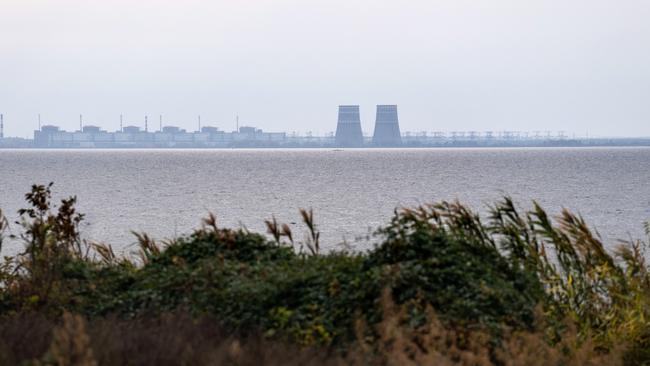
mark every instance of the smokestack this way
{"type": "Point", "coordinates": [348, 128]}
{"type": "Point", "coordinates": [146, 124]}
{"type": "Point", "coordinates": [2, 126]}
{"type": "Point", "coordinates": [161, 123]}
{"type": "Point", "coordinates": [81, 123]}
{"type": "Point", "coordinates": [199, 123]}
{"type": "Point", "coordinates": [387, 131]}
{"type": "Point", "coordinates": [39, 121]}
{"type": "Point", "coordinates": [121, 125]}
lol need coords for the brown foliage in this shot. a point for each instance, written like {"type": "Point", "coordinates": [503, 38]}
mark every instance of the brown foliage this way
{"type": "Point", "coordinates": [180, 339]}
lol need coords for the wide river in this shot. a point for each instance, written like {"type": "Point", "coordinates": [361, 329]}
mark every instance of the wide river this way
{"type": "Point", "coordinates": [166, 192]}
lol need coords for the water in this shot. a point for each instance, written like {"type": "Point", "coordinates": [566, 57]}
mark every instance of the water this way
{"type": "Point", "coordinates": [167, 192]}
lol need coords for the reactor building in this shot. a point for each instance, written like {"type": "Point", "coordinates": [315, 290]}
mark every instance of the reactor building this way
{"type": "Point", "coordinates": [348, 128]}
{"type": "Point", "coordinates": [386, 127]}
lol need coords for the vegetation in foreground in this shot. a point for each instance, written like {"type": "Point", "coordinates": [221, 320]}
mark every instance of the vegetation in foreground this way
{"type": "Point", "coordinates": [442, 286]}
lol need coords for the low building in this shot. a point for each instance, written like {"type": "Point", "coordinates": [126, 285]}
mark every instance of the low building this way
{"type": "Point", "coordinates": [131, 129]}
{"type": "Point", "coordinates": [91, 129]}
{"type": "Point", "coordinates": [51, 136]}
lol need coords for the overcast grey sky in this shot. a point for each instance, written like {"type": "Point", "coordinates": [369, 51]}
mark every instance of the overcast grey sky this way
{"type": "Point", "coordinates": [285, 65]}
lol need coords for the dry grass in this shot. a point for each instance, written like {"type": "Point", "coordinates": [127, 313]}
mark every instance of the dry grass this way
{"type": "Point", "coordinates": [175, 339]}
{"type": "Point", "coordinates": [439, 344]}
{"type": "Point", "coordinates": [180, 339]}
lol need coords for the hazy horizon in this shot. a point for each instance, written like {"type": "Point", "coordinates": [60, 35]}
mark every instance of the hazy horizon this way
{"type": "Point", "coordinates": [286, 65]}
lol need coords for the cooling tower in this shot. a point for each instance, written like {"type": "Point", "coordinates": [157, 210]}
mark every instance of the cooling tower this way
{"type": "Point", "coordinates": [348, 129]}
{"type": "Point", "coordinates": [386, 127]}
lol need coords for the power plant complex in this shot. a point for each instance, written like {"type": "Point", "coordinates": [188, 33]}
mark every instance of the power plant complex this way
{"type": "Point", "coordinates": [349, 134]}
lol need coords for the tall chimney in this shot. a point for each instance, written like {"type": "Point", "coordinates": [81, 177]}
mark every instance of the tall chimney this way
{"type": "Point", "coordinates": [146, 124]}
{"type": "Point", "coordinates": [81, 123]}
{"type": "Point", "coordinates": [2, 126]}
{"type": "Point", "coordinates": [121, 125]}
{"type": "Point", "coordinates": [387, 131]}
{"type": "Point", "coordinates": [199, 123]}
{"type": "Point", "coordinates": [39, 121]}
{"type": "Point", "coordinates": [161, 123]}
{"type": "Point", "coordinates": [348, 128]}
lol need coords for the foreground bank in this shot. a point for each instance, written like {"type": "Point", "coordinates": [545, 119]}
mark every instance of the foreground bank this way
{"type": "Point", "coordinates": [441, 286]}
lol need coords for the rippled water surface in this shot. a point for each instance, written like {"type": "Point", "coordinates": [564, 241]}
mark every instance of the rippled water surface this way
{"type": "Point", "coordinates": [166, 192]}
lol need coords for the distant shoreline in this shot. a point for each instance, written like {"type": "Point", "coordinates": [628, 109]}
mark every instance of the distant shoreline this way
{"type": "Point", "coordinates": [18, 143]}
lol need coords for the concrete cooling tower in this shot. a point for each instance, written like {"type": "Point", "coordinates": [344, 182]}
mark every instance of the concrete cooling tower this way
{"type": "Point", "coordinates": [348, 129]}
{"type": "Point", "coordinates": [386, 127]}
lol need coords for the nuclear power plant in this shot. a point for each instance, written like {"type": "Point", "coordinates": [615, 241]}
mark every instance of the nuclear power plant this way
{"type": "Point", "coordinates": [348, 134]}
{"type": "Point", "coordinates": [386, 127]}
{"type": "Point", "coordinates": [348, 128]}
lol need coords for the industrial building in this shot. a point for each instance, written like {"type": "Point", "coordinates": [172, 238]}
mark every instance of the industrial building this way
{"type": "Point", "coordinates": [50, 136]}
{"type": "Point", "coordinates": [348, 128]}
{"type": "Point", "coordinates": [387, 131]}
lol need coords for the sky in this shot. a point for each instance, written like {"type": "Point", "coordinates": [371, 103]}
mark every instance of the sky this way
{"type": "Point", "coordinates": [285, 65]}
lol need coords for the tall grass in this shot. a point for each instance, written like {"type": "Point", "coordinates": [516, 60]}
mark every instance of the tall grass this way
{"type": "Point", "coordinates": [443, 285]}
